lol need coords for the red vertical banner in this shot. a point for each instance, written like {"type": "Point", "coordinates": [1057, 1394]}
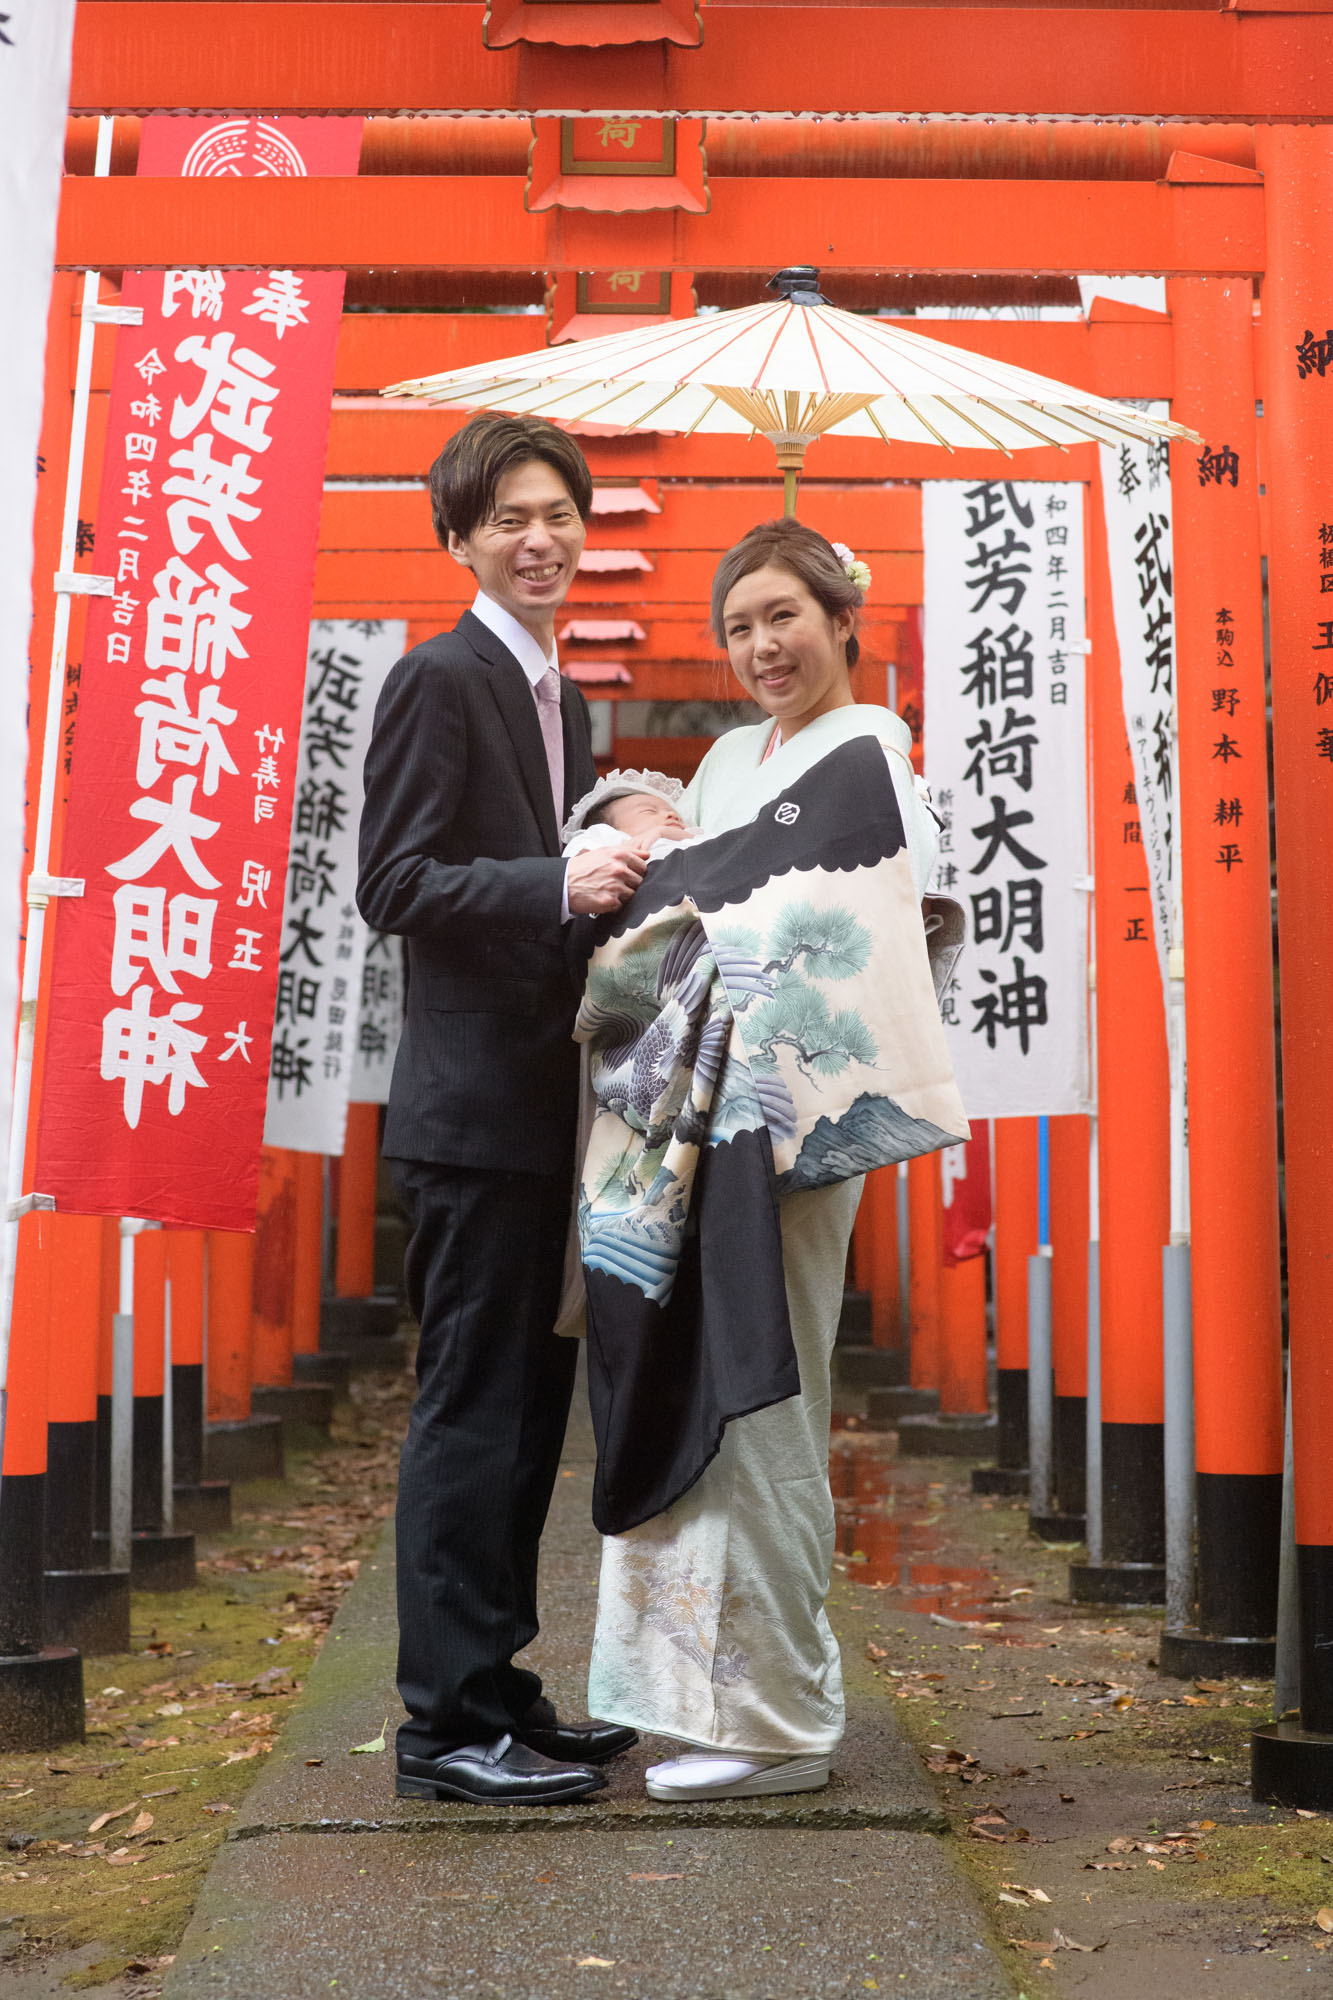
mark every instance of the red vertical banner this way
{"type": "Point", "coordinates": [165, 969]}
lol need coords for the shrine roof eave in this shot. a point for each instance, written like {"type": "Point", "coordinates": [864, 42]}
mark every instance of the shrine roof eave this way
{"type": "Point", "coordinates": [428, 55]}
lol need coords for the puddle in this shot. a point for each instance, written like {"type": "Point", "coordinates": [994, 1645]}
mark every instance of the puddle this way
{"type": "Point", "coordinates": [887, 1538]}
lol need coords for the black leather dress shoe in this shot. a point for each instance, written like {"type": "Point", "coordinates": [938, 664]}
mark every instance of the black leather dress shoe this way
{"type": "Point", "coordinates": [503, 1773]}
{"type": "Point", "coordinates": [574, 1742]}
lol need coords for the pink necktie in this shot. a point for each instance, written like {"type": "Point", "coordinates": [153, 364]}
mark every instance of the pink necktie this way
{"type": "Point", "coordinates": [547, 691]}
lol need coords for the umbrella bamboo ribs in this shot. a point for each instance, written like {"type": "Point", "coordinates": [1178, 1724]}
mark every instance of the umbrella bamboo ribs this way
{"type": "Point", "coordinates": [792, 371]}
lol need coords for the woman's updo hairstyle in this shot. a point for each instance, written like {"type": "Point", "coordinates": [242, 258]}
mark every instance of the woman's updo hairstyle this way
{"type": "Point", "coordinates": [788, 545]}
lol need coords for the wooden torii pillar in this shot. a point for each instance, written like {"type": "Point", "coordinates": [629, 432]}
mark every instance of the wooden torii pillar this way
{"type": "Point", "coordinates": [1292, 1761]}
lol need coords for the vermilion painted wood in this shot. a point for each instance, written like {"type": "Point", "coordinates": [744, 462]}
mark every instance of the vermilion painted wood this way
{"type": "Point", "coordinates": [185, 1268]}
{"type": "Point", "coordinates": [478, 222]}
{"type": "Point", "coordinates": [150, 1271]}
{"type": "Point", "coordinates": [274, 1269]}
{"type": "Point", "coordinates": [27, 1389]}
{"type": "Point", "coordinates": [1132, 1085]}
{"type": "Point", "coordinates": [1111, 358]}
{"type": "Point", "coordinates": [281, 55]}
{"type": "Point", "coordinates": [372, 442]}
{"type": "Point", "coordinates": [925, 1213]}
{"type": "Point", "coordinates": [679, 576]}
{"type": "Point", "coordinates": [74, 1245]}
{"type": "Point", "coordinates": [231, 1261]}
{"type": "Point", "coordinates": [308, 1252]}
{"type": "Point", "coordinates": [692, 517]}
{"type": "Point", "coordinates": [1069, 1142]}
{"type": "Point", "coordinates": [1015, 1235]}
{"type": "Point", "coordinates": [1299, 420]}
{"type": "Point", "coordinates": [1238, 1414]}
{"type": "Point", "coordinates": [1010, 150]}
{"type": "Point", "coordinates": [354, 1275]}
{"type": "Point", "coordinates": [963, 1338]}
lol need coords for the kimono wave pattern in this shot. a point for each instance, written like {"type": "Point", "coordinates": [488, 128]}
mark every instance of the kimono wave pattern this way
{"type": "Point", "coordinates": [760, 1019]}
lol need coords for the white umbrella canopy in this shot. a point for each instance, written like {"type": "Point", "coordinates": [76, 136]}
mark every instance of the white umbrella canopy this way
{"type": "Point", "coordinates": [793, 369]}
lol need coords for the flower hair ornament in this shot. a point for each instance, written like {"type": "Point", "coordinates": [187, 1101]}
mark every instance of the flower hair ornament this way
{"type": "Point", "coordinates": [857, 571]}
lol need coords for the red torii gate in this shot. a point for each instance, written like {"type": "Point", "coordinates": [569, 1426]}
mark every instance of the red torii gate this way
{"type": "Point", "coordinates": [1205, 221]}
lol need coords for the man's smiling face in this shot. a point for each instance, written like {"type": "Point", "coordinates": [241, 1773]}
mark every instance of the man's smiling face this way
{"type": "Point", "coordinates": [525, 554]}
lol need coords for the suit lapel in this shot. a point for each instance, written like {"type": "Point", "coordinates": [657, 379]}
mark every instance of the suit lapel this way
{"type": "Point", "coordinates": [518, 708]}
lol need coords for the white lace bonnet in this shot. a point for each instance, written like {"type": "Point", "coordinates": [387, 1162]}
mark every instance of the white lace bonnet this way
{"type": "Point", "coordinates": [620, 785]}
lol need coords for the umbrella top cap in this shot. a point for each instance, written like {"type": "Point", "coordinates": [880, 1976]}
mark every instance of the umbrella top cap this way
{"type": "Point", "coordinates": [798, 284]}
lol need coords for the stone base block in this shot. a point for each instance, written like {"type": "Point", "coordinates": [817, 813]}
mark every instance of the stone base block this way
{"type": "Point", "coordinates": [1187, 1652]}
{"type": "Point", "coordinates": [887, 1407]}
{"type": "Point", "coordinates": [203, 1509]}
{"type": "Point", "coordinates": [249, 1449]}
{"type": "Point", "coordinates": [946, 1437]}
{"type": "Point", "coordinates": [854, 1320]}
{"type": "Point", "coordinates": [333, 1370]}
{"type": "Point", "coordinates": [1291, 1766]}
{"type": "Point", "coordinates": [344, 1320]}
{"type": "Point", "coordinates": [1058, 1527]}
{"type": "Point", "coordinates": [1117, 1583]}
{"type": "Point", "coordinates": [373, 1353]}
{"type": "Point", "coordinates": [304, 1409]}
{"type": "Point", "coordinates": [1008, 1481]}
{"type": "Point", "coordinates": [88, 1609]}
{"type": "Point", "coordinates": [157, 1561]}
{"type": "Point", "coordinates": [41, 1699]}
{"type": "Point", "coordinates": [863, 1367]}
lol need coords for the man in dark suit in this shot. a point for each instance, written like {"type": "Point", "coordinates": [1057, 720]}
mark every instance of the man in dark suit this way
{"type": "Point", "coordinates": [479, 749]}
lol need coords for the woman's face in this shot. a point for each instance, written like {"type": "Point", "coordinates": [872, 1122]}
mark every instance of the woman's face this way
{"type": "Point", "coordinates": [787, 652]}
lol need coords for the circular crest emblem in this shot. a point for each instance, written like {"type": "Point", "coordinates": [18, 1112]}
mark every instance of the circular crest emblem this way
{"type": "Point", "coordinates": [243, 146]}
{"type": "Point", "coordinates": [787, 813]}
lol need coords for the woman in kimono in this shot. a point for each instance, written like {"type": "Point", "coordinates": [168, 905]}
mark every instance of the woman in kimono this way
{"type": "Point", "coordinates": [711, 1626]}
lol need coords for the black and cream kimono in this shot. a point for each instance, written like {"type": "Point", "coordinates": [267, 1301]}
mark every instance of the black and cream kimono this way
{"type": "Point", "coordinates": [762, 1028]}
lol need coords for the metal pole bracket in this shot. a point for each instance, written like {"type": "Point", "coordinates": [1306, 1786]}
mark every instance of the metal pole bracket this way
{"type": "Point", "coordinates": [101, 315]}
{"type": "Point", "coordinates": [27, 1204]}
{"type": "Point", "coordinates": [41, 887]}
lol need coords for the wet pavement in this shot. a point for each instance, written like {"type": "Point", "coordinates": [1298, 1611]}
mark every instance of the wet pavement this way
{"type": "Point", "coordinates": [331, 1886]}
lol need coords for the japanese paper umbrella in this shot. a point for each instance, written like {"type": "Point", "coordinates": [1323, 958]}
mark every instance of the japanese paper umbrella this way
{"type": "Point", "coordinates": [793, 370]}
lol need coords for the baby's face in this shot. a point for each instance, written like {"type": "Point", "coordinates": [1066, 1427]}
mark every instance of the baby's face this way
{"type": "Point", "coordinates": [646, 813]}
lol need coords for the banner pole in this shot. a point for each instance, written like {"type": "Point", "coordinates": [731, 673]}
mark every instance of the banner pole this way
{"type": "Point", "coordinates": [168, 1420]}
{"type": "Point", "coordinates": [1041, 1382]}
{"type": "Point", "coordinates": [1093, 1521]}
{"type": "Point", "coordinates": [39, 887]}
{"type": "Point", "coordinates": [121, 1513]}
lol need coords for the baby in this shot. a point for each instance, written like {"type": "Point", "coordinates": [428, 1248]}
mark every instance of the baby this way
{"type": "Point", "coordinates": [630, 808]}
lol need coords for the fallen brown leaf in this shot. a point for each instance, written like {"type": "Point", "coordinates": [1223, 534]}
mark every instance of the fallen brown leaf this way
{"type": "Point", "coordinates": [140, 1825]}
{"type": "Point", "coordinates": [1324, 1918]}
{"type": "Point", "coordinates": [1059, 1942]}
{"type": "Point", "coordinates": [105, 1819]}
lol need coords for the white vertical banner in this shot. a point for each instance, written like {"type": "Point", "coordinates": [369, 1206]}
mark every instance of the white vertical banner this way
{"type": "Point", "coordinates": [35, 40]}
{"type": "Point", "coordinates": [1006, 759]}
{"type": "Point", "coordinates": [383, 998]}
{"type": "Point", "coordinates": [318, 1011]}
{"type": "Point", "coordinates": [1136, 495]}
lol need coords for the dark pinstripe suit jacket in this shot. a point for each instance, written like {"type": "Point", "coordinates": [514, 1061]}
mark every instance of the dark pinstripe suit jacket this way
{"type": "Point", "coordinates": [460, 855]}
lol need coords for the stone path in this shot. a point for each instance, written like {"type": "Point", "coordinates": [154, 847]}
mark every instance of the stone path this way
{"type": "Point", "coordinates": [330, 1886]}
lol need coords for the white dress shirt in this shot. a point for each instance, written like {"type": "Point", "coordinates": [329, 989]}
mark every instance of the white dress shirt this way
{"type": "Point", "coordinates": [534, 663]}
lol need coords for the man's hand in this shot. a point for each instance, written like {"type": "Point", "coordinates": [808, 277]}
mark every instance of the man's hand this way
{"type": "Point", "coordinates": [602, 878]}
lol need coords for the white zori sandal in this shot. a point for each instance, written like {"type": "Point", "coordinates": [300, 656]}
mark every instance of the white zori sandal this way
{"type": "Point", "coordinates": [724, 1774]}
